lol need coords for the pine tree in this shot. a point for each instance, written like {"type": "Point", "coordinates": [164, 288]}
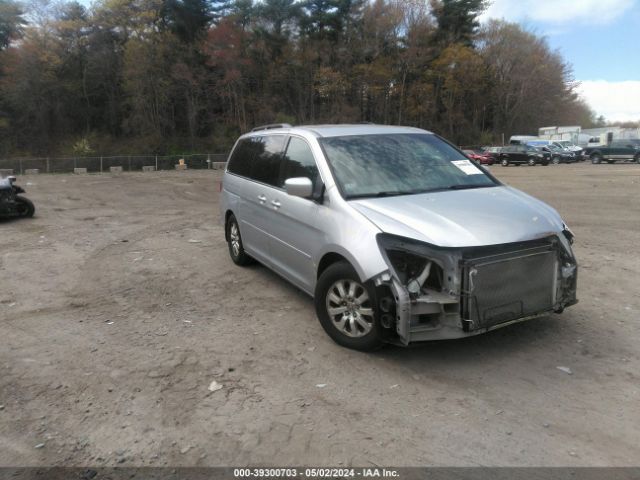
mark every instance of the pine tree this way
{"type": "Point", "coordinates": [457, 20]}
{"type": "Point", "coordinates": [11, 22]}
{"type": "Point", "coordinates": [188, 19]}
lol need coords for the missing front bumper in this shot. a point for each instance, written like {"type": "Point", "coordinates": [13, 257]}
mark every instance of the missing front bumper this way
{"type": "Point", "coordinates": [486, 288]}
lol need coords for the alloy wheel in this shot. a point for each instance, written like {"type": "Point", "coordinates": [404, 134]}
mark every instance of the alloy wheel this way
{"type": "Point", "coordinates": [234, 236]}
{"type": "Point", "coordinates": [349, 308]}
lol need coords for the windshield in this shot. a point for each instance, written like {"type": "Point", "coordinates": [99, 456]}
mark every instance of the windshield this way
{"type": "Point", "coordinates": [399, 164]}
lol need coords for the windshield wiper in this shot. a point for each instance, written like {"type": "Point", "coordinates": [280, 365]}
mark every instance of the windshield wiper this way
{"type": "Point", "coordinates": [389, 193]}
{"type": "Point", "coordinates": [467, 187]}
{"type": "Point", "coordinates": [395, 193]}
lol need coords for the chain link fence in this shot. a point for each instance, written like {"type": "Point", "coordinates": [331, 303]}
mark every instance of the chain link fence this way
{"type": "Point", "coordinates": [128, 163]}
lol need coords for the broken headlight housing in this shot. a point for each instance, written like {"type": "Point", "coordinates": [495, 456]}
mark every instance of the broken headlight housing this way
{"type": "Point", "coordinates": [411, 264]}
{"type": "Point", "coordinates": [568, 234]}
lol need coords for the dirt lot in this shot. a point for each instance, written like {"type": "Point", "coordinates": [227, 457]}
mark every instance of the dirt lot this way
{"type": "Point", "coordinates": [119, 306]}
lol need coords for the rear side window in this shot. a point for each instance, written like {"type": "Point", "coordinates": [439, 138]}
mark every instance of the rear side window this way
{"type": "Point", "coordinates": [266, 165]}
{"type": "Point", "coordinates": [258, 158]}
{"type": "Point", "coordinates": [298, 161]}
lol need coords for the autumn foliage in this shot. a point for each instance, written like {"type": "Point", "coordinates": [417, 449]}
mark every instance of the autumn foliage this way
{"type": "Point", "coordinates": [157, 75]}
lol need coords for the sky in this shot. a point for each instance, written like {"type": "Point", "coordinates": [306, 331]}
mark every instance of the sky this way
{"type": "Point", "coordinates": [599, 38]}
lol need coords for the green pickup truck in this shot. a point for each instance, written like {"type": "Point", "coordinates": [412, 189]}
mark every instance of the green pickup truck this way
{"type": "Point", "coordinates": [620, 149]}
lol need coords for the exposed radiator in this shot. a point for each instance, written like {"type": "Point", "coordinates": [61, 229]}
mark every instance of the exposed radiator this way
{"type": "Point", "coordinates": [504, 287]}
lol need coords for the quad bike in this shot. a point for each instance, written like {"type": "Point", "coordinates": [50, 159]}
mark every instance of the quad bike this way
{"type": "Point", "coordinates": [12, 204]}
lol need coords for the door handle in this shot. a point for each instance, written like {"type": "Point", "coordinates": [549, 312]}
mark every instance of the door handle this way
{"type": "Point", "coordinates": [276, 204]}
{"type": "Point", "coordinates": [262, 199]}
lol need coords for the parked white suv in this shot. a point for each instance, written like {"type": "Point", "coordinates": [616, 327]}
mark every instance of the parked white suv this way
{"type": "Point", "coordinates": [394, 232]}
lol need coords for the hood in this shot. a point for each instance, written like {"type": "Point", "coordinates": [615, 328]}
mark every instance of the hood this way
{"type": "Point", "coordinates": [463, 218]}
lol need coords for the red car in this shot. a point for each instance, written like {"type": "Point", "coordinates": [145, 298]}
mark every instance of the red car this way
{"type": "Point", "coordinates": [483, 158]}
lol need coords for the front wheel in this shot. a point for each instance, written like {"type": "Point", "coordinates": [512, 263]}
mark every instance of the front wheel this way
{"type": "Point", "coordinates": [596, 158]}
{"type": "Point", "coordinates": [531, 162]}
{"type": "Point", "coordinates": [346, 308]}
{"type": "Point", "coordinates": [555, 160]}
{"type": "Point", "coordinates": [26, 209]}
{"type": "Point", "coordinates": [234, 240]}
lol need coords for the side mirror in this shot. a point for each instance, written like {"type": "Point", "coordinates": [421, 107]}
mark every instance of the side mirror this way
{"type": "Point", "coordinates": [299, 187]}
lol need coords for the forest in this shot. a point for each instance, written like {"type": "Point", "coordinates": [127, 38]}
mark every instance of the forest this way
{"type": "Point", "coordinates": [161, 76]}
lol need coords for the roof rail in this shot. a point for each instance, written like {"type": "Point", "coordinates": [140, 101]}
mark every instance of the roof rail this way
{"type": "Point", "coordinates": [270, 126]}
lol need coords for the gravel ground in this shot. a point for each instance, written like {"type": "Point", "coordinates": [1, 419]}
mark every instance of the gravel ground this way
{"type": "Point", "coordinates": [119, 306]}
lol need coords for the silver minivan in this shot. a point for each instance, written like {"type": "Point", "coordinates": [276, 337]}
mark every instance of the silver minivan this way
{"type": "Point", "coordinates": [397, 235]}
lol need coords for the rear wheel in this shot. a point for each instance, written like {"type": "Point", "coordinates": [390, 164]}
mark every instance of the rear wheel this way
{"type": "Point", "coordinates": [234, 241]}
{"type": "Point", "coordinates": [25, 207]}
{"type": "Point", "coordinates": [345, 308]}
{"type": "Point", "coordinates": [596, 158]}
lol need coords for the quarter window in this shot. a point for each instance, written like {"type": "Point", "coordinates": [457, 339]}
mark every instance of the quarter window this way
{"type": "Point", "coordinates": [242, 157]}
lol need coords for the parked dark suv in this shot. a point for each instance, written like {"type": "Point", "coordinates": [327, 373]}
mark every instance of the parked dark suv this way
{"type": "Point", "coordinates": [519, 154]}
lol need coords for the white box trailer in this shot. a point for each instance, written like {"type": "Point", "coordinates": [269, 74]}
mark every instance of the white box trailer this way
{"type": "Point", "coordinates": [521, 139]}
{"type": "Point", "coordinates": [571, 129]}
{"type": "Point", "coordinates": [569, 133]}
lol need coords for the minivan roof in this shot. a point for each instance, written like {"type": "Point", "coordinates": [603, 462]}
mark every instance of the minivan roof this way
{"type": "Point", "coordinates": [340, 130]}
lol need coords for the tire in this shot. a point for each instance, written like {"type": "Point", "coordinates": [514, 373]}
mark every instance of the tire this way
{"type": "Point", "coordinates": [504, 162]}
{"type": "Point", "coordinates": [555, 160]}
{"type": "Point", "coordinates": [26, 207]}
{"type": "Point", "coordinates": [353, 320]}
{"type": "Point", "coordinates": [234, 242]}
{"type": "Point", "coordinates": [596, 158]}
{"type": "Point", "coordinates": [637, 158]}
{"type": "Point", "coordinates": [531, 162]}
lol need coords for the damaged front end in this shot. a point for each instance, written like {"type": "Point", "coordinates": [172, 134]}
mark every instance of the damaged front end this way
{"type": "Point", "coordinates": [432, 293]}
